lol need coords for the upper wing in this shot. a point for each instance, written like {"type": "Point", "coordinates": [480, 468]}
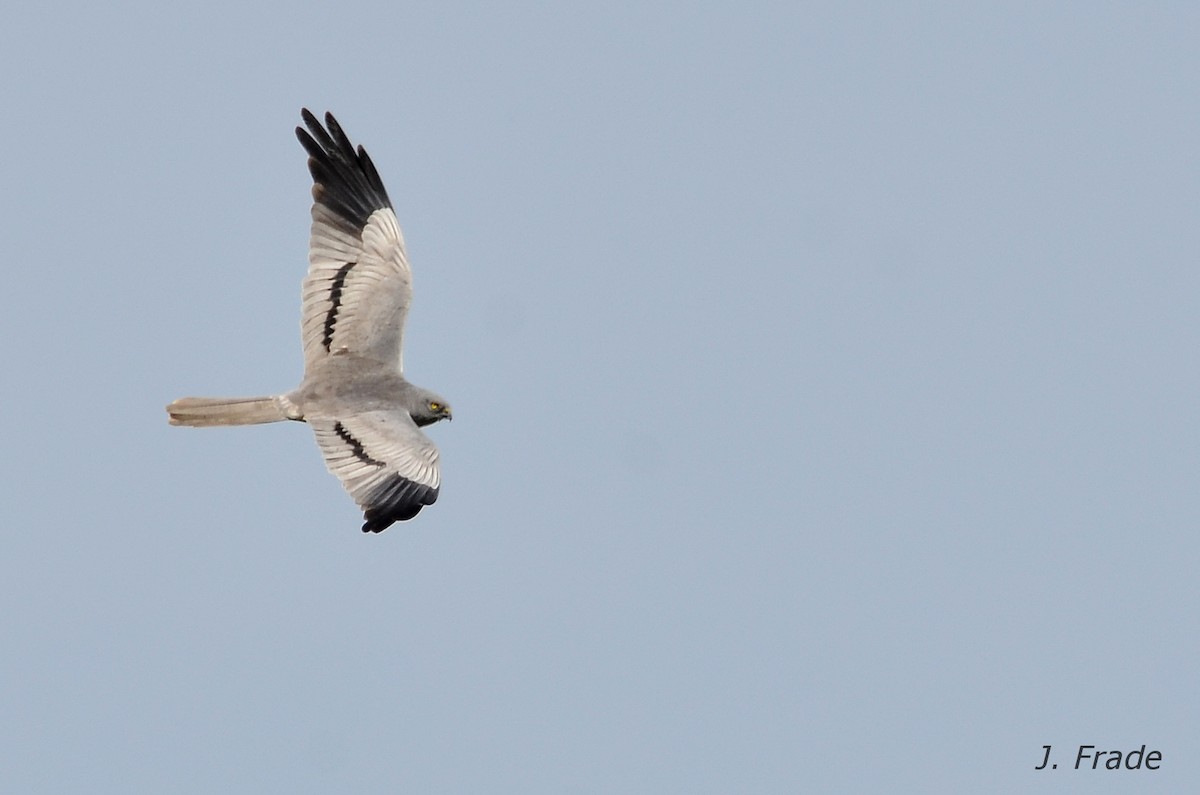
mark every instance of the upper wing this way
{"type": "Point", "coordinates": [359, 285]}
{"type": "Point", "coordinates": [389, 467]}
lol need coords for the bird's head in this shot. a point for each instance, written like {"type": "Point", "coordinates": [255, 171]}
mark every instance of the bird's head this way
{"type": "Point", "coordinates": [428, 408]}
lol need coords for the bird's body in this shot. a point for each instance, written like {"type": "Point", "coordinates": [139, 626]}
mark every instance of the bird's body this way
{"type": "Point", "coordinates": [365, 414]}
{"type": "Point", "coordinates": [347, 382]}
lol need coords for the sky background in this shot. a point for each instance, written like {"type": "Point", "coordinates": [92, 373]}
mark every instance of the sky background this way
{"type": "Point", "coordinates": [824, 380]}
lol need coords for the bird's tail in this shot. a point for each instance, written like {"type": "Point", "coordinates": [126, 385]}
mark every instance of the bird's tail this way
{"type": "Point", "coordinates": [201, 412]}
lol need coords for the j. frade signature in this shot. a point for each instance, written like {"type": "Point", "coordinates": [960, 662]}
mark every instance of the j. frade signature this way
{"type": "Point", "coordinates": [1088, 757]}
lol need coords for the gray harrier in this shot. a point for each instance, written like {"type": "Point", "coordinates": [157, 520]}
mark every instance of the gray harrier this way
{"type": "Point", "coordinates": [366, 416]}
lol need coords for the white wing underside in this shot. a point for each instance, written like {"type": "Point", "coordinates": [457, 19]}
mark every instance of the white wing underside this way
{"type": "Point", "coordinates": [358, 289]}
{"type": "Point", "coordinates": [382, 459]}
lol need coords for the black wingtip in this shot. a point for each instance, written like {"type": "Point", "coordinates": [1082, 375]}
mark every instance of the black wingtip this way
{"type": "Point", "coordinates": [397, 501]}
{"type": "Point", "coordinates": [349, 183]}
{"type": "Point", "coordinates": [377, 521]}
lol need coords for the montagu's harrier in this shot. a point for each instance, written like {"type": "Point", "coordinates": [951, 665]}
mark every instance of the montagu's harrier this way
{"type": "Point", "coordinates": [366, 416]}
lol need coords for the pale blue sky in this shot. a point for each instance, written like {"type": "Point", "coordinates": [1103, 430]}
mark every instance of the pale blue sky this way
{"type": "Point", "coordinates": [824, 383]}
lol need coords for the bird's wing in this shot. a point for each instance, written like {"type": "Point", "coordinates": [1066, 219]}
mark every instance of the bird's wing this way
{"type": "Point", "coordinates": [359, 284]}
{"type": "Point", "coordinates": [389, 467]}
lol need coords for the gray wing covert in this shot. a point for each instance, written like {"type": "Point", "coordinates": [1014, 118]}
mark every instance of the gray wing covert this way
{"type": "Point", "coordinates": [389, 467]}
{"type": "Point", "coordinates": [359, 284]}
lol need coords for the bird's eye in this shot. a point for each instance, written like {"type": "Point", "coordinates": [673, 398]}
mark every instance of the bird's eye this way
{"type": "Point", "coordinates": [435, 406]}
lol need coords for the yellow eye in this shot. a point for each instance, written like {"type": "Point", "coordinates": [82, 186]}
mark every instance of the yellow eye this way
{"type": "Point", "coordinates": [435, 406]}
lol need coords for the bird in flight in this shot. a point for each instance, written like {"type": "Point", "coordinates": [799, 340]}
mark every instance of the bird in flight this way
{"type": "Point", "coordinates": [366, 416]}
